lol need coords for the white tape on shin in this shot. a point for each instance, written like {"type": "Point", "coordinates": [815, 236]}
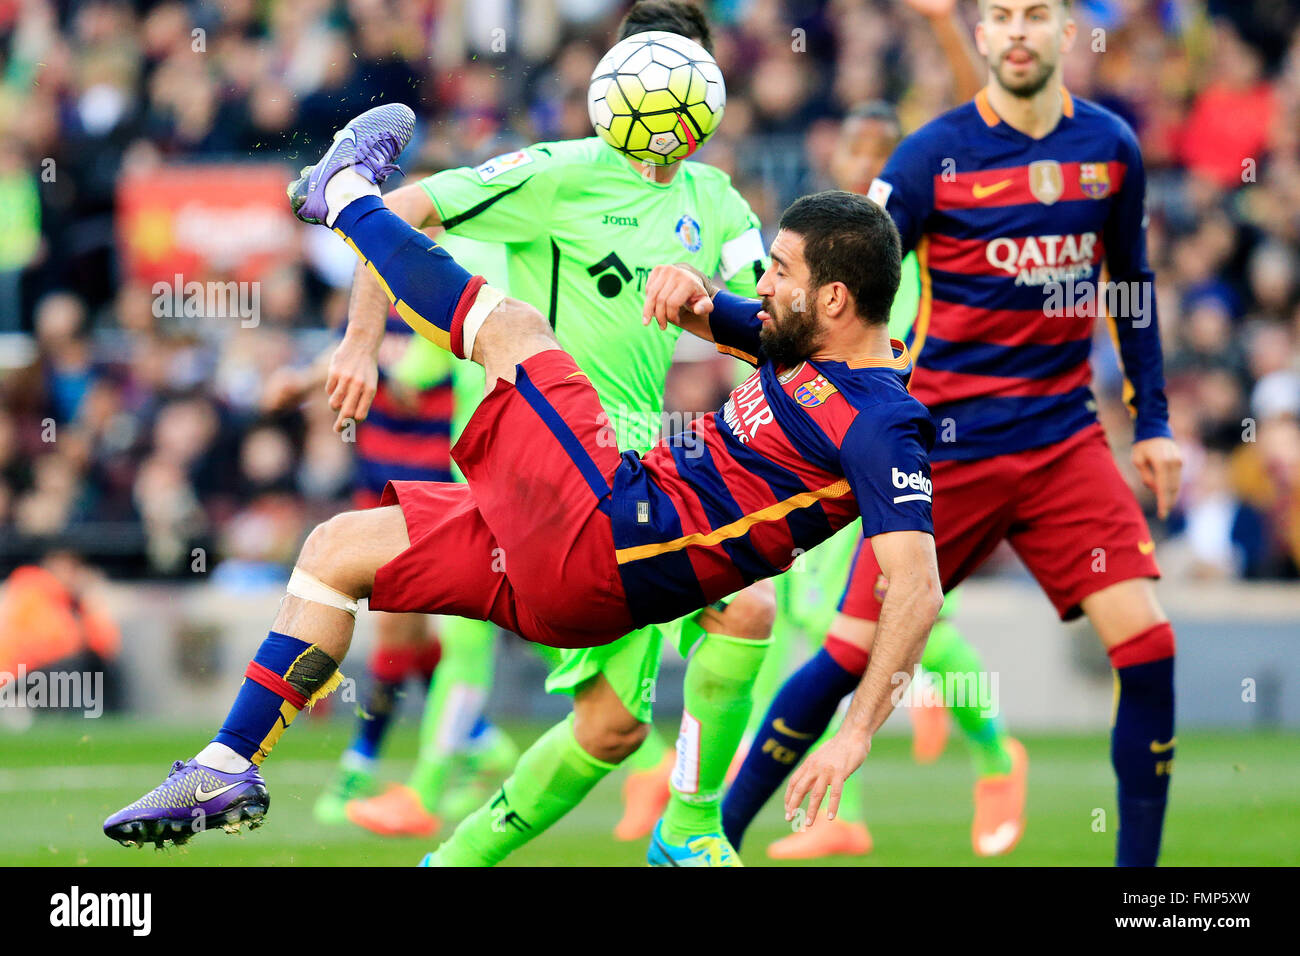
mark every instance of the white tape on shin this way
{"type": "Point", "coordinates": [487, 299]}
{"type": "Point", "coordinates": [311, 588]}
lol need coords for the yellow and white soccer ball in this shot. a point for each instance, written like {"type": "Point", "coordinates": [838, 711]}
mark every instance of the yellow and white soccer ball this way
{"type": "Point", "coordinates": [656, 96]}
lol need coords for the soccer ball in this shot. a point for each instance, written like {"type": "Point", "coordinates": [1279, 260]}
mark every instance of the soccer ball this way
{"type": "Point", "coordinates": [656, 96]}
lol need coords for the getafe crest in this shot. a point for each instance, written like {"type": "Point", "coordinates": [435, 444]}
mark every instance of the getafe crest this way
{"type": "Point", "coordinates": [688, 233]}
{"type": "Point", "coordinates": [1046, 181]}
{"type": "Point", "coordinates": [1094, 179]}
{"type": "Point", "coordinates": [813, 392]}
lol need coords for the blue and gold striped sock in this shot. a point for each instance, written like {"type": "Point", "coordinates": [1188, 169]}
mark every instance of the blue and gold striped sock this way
{"type": "Point", "coordinates": [431, 292]}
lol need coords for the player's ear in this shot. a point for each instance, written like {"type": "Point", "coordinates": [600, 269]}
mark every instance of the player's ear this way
{"type": "Point", "coordinates": [981, 41]}
{"type": "Point", "coordinates": [834, 299]}
{"type": "Point", "coordinates": [1068, 34]}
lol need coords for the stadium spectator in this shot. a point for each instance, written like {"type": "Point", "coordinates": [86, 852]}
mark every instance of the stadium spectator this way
{"type": "Point", "coordinates": [1212, 88]}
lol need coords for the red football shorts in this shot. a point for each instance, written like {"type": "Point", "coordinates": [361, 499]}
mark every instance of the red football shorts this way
{"type": "Point", "coordinates": [527, 543]}
{"type": "Point", "coordinates": [1065, 509]}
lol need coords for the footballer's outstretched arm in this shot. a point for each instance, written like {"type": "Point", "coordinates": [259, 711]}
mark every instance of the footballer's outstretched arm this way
{"type": "Point", "coordinates": [912, 601]}
{"type": "Point", "coordinates": [353, 373]}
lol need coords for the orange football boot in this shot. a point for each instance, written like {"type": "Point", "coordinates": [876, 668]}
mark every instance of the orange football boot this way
{"type": "Point", "coordinates": [398, 811]}
{"type": "Point", "coordinates": [1000, 806]}
{"type": "Point", "coordinates": [824, 838]}
{"type": "Point", "coordinates": [930, 725]}
{"type": "Point", "coordinates": [645, 797]}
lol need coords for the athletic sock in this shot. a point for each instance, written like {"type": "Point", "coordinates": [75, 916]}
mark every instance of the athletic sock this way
{"type": "Point", "coordinates": [719, 678]}
{"type": "Point", "coordinates": [1142, 741]}
{"type": "Point", "coordinates": [649, 755]}
{"type": "Point", "coordinates": [801, 711]}
{"type": "Point", "coordinates": [389, 668]}
{"type": "Point", "coordinates": [284, 676]}
{"type": "Point", "coordinates": [954, 663]}
{"type": "Point", "coordinates": [431, 292]}
{"type": "Point", "coordinates": [457, 695]}
{"type": "Point", "coordinates": [551, 778]}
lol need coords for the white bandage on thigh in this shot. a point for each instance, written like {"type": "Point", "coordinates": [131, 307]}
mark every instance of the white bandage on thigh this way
{"type": "Point", "coordinates": [487, 299]}
{"type": "Point", "coordinates": [311, 588]}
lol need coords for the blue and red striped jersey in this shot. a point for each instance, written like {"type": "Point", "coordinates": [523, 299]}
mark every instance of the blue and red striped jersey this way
{"type": "Point", "coordinates": [793, 456]}
{"type": "Point", "coordinates": [401, 443]}
{"type": "Point", "coordinates": [1014, 237]}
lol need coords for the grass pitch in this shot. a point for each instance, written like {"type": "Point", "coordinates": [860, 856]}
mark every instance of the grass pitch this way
{"type": "Point", "coordinates": [1233, 803]}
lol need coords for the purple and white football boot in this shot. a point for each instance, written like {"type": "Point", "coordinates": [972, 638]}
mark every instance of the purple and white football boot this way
{"type": "Point", "coordinates": [192, 799]}
{"type": "Point", "coordinates": [370, 142]}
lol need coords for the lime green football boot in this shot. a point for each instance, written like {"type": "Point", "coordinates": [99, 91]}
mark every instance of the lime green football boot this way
{"type": "Point", "coordinates": [709, 849]}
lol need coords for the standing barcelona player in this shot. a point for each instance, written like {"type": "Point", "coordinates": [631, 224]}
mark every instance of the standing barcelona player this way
{"type": "Point", "coordinates": [1016, 203]}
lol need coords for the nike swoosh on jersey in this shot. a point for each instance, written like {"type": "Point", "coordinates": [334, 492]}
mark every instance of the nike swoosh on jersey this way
{"type": "Point", "coordinates": [202, 796]}
{"type": "Point", "coordinates": [1158, 748]}
{"type": "Point", "coordinates": [980, 191]}
{"type": "Point", "coordinates": [781, 727]}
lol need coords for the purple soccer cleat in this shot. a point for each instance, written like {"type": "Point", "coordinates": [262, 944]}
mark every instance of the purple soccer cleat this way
{"type": "Point", "coordinates": [370, 142]}
{"type": "Point", "coordinates": [192, 799]}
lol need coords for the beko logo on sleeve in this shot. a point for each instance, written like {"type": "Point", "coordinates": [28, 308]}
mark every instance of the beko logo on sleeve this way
{"type": "Point", "coordinates": [916, 481]}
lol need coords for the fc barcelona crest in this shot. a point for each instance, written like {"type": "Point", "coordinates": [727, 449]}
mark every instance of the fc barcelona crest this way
{"type": "Point", "coordinates": [1094, 179]}
{"type": "Point", "coordinates": [812, 393]}
{"type": "Point", "coordinates": [1046, 181]}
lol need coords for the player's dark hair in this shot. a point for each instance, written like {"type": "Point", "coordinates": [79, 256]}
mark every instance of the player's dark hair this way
{"type": "Point", "coordinates": [848, 238]}
{"type": "Point", "coordinates": [672, 16]}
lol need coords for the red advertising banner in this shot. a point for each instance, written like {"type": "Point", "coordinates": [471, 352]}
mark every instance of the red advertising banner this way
{"type": "Point", "coordinates": [196, 220]}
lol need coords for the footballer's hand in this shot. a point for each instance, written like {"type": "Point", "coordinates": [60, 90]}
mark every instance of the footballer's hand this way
{"type": "Point", "coordinates": [284, 389]}
{"type": "Point", "coordinates": [824, 772]}
{"type": "Point", "coordinates": [351, 382]}
{"type": "Point", "coordinates": [676, 294]}
{"type": "Point", "coordinates": [1159, 463]}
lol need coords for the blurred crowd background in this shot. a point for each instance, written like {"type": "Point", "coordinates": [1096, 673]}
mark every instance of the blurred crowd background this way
{"type": "Point", "coordinates": [136, 438]}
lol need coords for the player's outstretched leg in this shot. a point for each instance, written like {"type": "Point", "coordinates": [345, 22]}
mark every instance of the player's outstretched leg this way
{"type": "Point", "coordinates": [431, 292]}
{"type": "Point", "coordinates": [295, 666]}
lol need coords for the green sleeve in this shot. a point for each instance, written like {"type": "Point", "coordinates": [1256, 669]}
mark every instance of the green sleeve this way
{"type": "Point", "coordinates": [743, 256]}
{"type": "Point", "coordinates": [422, 365]}
{"type": "Point", "coordinates": [506, 199]}
{"type": "Point", "coordinates": [903, 312]}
